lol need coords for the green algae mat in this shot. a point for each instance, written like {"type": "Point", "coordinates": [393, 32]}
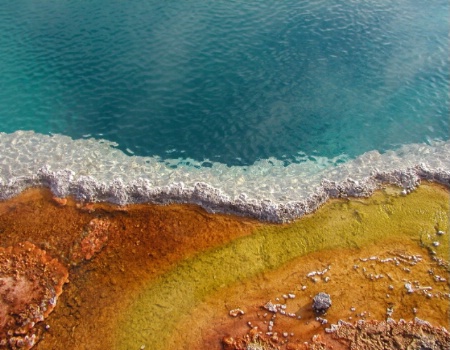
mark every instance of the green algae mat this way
{"type": "Point", "coordinates": [156, 310]}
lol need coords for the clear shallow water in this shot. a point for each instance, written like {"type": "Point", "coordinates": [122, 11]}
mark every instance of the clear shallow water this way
{"type": "Point", "coordinates": [228, 81]}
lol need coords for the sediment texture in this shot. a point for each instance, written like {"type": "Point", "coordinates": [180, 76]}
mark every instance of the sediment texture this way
{"type": "Point", "coordinates": [30, 284]}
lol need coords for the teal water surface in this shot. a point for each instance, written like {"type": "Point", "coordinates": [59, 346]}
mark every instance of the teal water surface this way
{"type": "Point", "coordinates": [229, 81]}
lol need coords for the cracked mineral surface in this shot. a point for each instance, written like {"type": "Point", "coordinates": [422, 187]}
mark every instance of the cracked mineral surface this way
{"type": "Point", "coordinates": [30, 284]}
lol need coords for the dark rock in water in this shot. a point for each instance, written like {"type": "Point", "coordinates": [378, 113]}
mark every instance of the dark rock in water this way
{"type": "Point", "coordinates": [321, 303]}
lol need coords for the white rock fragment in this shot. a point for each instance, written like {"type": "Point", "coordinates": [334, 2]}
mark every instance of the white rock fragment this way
{"type": "Point", "coordinates": [269, 306]}
{"type": "Point", "coordinates": [438, 278]}
{"type": "Point", "coordinates": [409, 288]}
{"type": "Point", "coordinates": [236, 312]}
{"type": "Point", "coordinates": [321, 320]}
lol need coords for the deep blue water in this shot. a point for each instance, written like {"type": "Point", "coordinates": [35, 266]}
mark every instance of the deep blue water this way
{"type": "Point", "coordinates": [229, 81]}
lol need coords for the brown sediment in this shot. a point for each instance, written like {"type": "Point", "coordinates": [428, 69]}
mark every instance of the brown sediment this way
{"type": "Point", "coordinates": [143, 242]}
{"type": "Point", "coordinates": [356, 295]}
{"type": "Point", "coordinates": [30, 283]}
{"type": "Point", "coordinates": [167, 277]}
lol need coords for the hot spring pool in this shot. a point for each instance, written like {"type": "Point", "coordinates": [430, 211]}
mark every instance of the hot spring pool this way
{"type": "Point", "coordinates": [261, 102]}
{"type": "Point", "coordinates": [264, 110]}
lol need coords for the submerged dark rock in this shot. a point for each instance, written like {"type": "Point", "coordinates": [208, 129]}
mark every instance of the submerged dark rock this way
{"type": "Point", "coordinates": [321, 303]}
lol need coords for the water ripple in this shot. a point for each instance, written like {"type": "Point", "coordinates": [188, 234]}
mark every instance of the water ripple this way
{"type": "Point", "coordinates": [228, 80]}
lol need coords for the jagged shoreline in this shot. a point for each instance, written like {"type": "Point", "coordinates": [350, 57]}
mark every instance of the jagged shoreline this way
{"type": "Point", "coordinates": [86, 188]}
{"type": "Point", "coordinates": [356, 178]}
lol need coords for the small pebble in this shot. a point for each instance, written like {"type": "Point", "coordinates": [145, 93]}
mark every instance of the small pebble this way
{"type": "Point", "coordinates": [236, 312]}
{"type": "Point", "coordinates": [409, 288]}
{"type": "Point", "coordinates": [436, 244]}
{"type": "Point", "coordinates": [440, 233]}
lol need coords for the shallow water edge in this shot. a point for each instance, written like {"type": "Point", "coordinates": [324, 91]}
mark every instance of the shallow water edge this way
{"type": "Point", "coordinates": [96, 171]}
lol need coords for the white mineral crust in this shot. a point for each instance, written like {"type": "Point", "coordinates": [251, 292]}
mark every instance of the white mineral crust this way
{"type": "Point", "coordinates": [95, 170]}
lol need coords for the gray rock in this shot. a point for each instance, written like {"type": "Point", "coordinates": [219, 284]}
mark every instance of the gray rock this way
{"type": "Point", "coordinates": [321, 303]}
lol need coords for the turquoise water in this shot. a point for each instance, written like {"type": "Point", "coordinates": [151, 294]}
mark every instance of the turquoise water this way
{"type": "Point", "coordinates": [228, 81]}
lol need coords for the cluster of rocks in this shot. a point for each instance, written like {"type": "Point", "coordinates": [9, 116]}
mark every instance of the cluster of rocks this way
{"type": "Point", "coordinates": [361, 335]}
{"type": "Point", "coordinates": [390, 334]}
